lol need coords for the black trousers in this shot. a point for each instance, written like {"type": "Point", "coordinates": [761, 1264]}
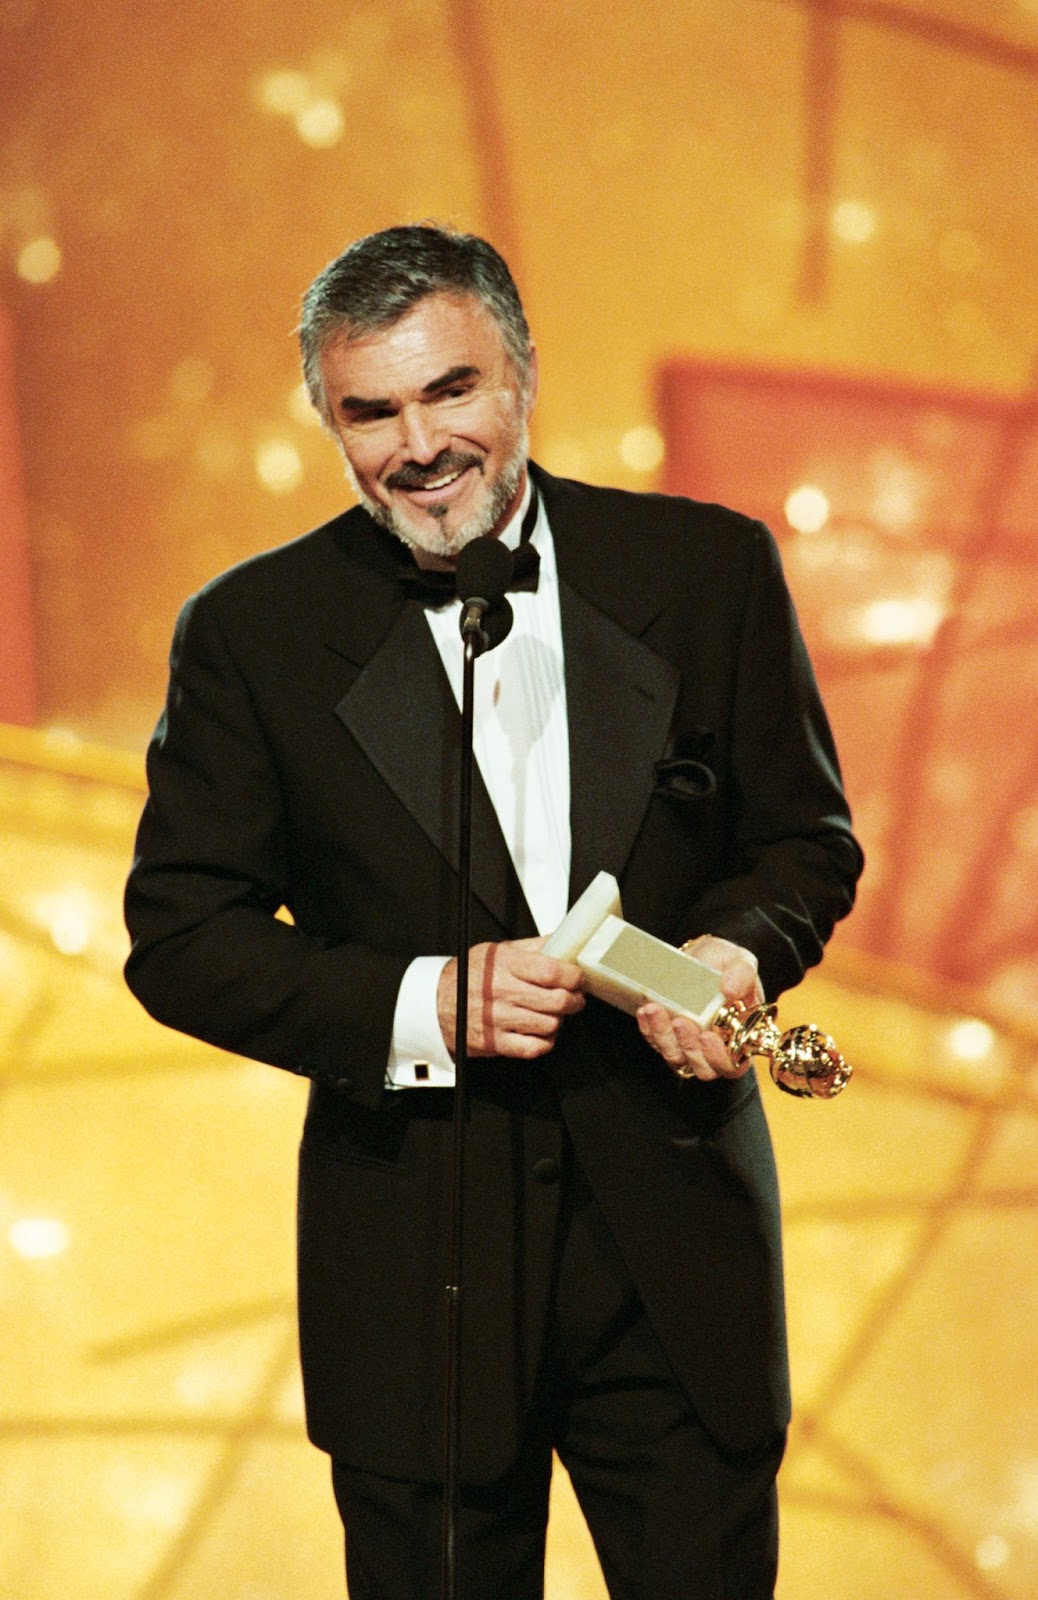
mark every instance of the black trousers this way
{"type": "Point", "coordinates": [672, 1517]}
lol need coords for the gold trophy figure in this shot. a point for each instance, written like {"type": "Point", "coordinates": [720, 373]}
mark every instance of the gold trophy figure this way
{"type": "Point", "coordinates": [803, 1061]}
{"type": "Point", "coordinates": [625, 966]}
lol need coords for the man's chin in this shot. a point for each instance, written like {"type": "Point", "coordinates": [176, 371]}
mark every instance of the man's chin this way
{"type": "Point", "coordinates": [435, 535]}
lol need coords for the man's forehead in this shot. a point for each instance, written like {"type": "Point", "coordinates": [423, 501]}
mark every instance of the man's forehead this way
{"type": "Point", "coordinates": [430, 322]}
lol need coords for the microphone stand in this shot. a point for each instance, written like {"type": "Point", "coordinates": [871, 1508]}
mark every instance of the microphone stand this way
{"type": "Point", "coordinates": [475, 641]}
{"type": "Point", "coordinates": [484, 569]}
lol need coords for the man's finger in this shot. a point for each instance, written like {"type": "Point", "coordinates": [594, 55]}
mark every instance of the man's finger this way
{"type": "Point", "coordinates": [685, 1047]}
{"type": "Point", "coordinates": [545, 972]}
{"type": "Point", "coordinates": [554, 1002]}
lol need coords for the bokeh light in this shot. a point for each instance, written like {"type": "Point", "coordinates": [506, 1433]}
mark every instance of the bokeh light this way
{"type": "Point", "coordinates": [279, 466]}
{"type": "Point", "coordinates": [39, 261]}
{"type": "Point", "coordinates": [38, 1238]}
{"type": "Point", "coordinates": [807, 509]}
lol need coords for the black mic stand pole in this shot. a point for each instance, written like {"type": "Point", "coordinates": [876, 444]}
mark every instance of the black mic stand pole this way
{"type": "Point", "coordinates": [483, 572]}
{"type": "Point", "coordinates": [475, 642]}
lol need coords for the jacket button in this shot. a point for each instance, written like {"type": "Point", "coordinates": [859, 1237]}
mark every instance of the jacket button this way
{"type": "Point", "coordinates": [547, 1170]}
{"type": "Point", "coordinates": [343, 1083]}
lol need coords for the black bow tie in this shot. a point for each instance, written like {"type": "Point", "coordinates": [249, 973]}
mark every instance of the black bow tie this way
{"type": "Point", "coordinates": [434, 588]}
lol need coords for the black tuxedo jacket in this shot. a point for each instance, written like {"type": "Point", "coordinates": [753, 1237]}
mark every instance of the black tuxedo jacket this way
{"type": "Point", "coordinates": [307, 759]}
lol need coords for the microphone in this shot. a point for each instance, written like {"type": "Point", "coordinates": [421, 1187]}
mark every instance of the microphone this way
{"type": "Point", "coordinates": [483, 574]}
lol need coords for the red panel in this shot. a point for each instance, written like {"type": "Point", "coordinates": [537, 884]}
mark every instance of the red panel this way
{"type": "Point", "coordinates": [919, 600]}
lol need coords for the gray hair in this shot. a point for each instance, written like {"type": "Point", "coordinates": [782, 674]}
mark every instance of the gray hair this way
{"type": "Point", "coordinates": [376, 280]}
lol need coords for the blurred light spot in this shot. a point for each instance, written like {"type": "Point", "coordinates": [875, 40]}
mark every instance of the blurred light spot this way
{"type": "Point", "coordinates": [300, 408]}
{"type": "Point", "coordinates": [38, 1238]}
{"type": "Point", "coordinates": [159, 1498]}
{"type": "Point", "coordinates": [853, 221]}
{"type": "Point", "coordinates": [642, 448]}
{"type": "Point", "coordinates": [279, 466]}
{"type": "Point", "coordinates": [992, 1553]}
{"type": "Point", "coordinates": [69, 915]}
{"type": "Point", "coordinates": [321, 123]}
{"type": "Point", "coordinates": [39, 261]}
{"type": "Point", "coordinates": [899, 621]}
{"type": "Point", "coordinates": [65, 741]}
{"type": "Point", "coordinates": [901, 487]}
{"type": "Point", "coordinates": [284, 93]}
{"type": "Point", "coordinates": [971, 1039]}
{"type": "Point", "coordinates": [807, 509]}
{"type": "Point", "coordinates": [895, 506]}
{"type": "Point", "coordinates": [851, 554]}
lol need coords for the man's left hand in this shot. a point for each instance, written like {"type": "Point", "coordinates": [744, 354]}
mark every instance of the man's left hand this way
{"type": "Point", "coordinates": [683, 1044]}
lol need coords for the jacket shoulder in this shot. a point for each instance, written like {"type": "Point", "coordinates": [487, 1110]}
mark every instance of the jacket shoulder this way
{"type": "Point", "coordinates": [284, 567]}
{"type": "Point", "coordinates": [662, 544]}
{"type": "Point", "coordinates": [670, 517]}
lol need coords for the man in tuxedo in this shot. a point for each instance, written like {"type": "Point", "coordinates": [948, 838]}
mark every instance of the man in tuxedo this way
{"type": "Point", "coordinates": [653, 714]}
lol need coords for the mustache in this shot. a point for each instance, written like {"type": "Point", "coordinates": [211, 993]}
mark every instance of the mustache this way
{"type": "Point", "coordinates": [413, 476]}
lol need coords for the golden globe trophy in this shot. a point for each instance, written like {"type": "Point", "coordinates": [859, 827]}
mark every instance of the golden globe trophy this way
{"type": "Point", "coordinates": [803, 1061]}
{"type": "Point", "coordinates": [625, 966]}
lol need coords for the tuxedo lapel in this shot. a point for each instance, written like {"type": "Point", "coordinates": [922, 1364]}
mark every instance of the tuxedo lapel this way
{"type": "Point", "coordinates": [403, 715]}
{"type": "Point", "coordinates": [620, 695]}
{"type": "Point", "coordinates": [620, 699]}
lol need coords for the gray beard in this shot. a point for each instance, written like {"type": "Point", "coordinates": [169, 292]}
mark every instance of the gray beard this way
{"type": "Point", "coordinates": [448, 546]}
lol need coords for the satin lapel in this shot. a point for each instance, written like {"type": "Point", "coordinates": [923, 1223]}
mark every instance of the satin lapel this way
{"type": "Point", "coordinates": [403, 715]}
{"type": "Point", "coordinates": [620, 700]}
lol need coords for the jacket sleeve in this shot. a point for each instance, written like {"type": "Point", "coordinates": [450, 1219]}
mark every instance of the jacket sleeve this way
{"type": "Point", "coordinates": [792, 862]}
{"type": "Point", "coordinates": [209, 955]}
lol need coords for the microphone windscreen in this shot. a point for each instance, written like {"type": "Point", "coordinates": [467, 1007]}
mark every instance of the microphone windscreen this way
{"type": "Point", "coordinates": [484, 570]}
{"type": "Point", "coordinates": [497, 624]}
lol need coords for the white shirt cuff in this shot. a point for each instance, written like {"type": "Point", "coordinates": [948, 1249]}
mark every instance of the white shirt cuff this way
{"type": "Point", "coordinates": [418, 1055]}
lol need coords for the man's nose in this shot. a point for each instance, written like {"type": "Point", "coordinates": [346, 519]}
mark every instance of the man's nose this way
{"type": "Point", "coordinates": [421, 437]}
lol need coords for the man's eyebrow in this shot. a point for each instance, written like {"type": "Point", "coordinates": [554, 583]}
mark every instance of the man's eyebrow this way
{"type": "Point", "coordinates": [359, 402]}
{"type": "Point", "coordinates": [451, 376]}
{"type": "Point", "coordinates": [459, 374]}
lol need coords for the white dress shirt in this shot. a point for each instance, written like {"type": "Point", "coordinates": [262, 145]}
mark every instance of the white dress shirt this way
{"type": "Point", "coordinates": [521, 745]}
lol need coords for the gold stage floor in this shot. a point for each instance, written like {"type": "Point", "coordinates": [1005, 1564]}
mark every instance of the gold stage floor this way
{"type": "Point", "coordinates": [151, 1438]}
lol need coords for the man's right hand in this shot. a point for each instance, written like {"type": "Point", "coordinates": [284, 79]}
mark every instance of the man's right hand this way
{"type": "Point", "coordinates": [517, 998]}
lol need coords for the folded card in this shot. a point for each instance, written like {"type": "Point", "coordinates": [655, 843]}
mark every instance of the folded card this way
{"type": "Point", "coordinates": [626, 966]}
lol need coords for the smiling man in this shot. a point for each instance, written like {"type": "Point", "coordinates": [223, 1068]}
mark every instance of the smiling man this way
{"type": "Point", "coordinates": [623, 1291]}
